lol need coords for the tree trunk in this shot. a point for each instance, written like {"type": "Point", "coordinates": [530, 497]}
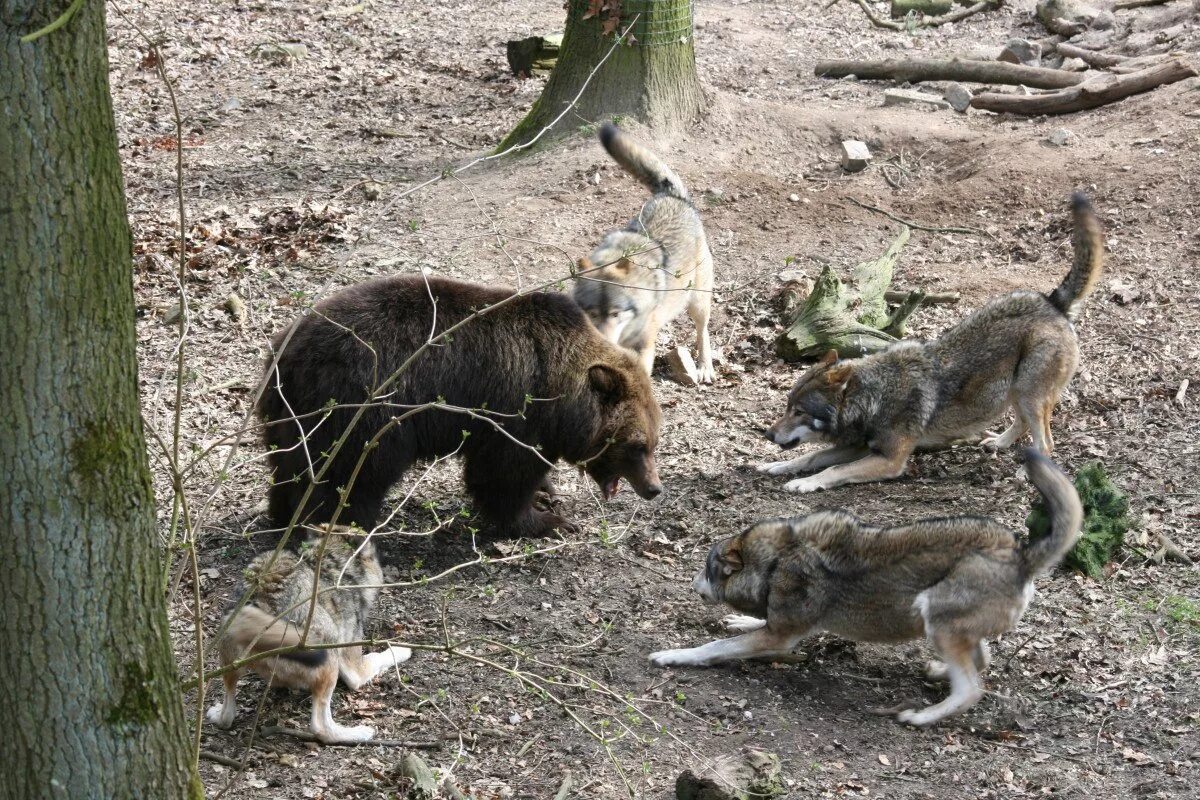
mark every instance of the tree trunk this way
{"type": "Point", "coordinates": [89, 685]}
{"type": "Point", "coordinates": [650, 76]}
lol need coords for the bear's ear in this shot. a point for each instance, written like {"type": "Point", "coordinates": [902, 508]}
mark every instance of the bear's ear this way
{"type": "Point", "coordinates": [838, 375]}
{"type": "Point", "coordinates": [584, 264]}
{"type": "Point", "coordinates": [607, 382]}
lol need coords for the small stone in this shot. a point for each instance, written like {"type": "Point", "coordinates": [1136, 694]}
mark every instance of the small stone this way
{"type": "Point", "coordinates": [372, 190]}
{"type": "Point", "coordinates": [514, 718]}
{"type": "Point", "coordinates": [1021, 51]}
{"type": "Point", "coordinates": [793, 198]}
{"type": "Point", "coordinates": [682, 368]}
{"type": "Point", "coordinates": [1104, 21]}
{"type": "Point", "coordinates": [958, 96]}
{"type": "Point", "coordinates": [595, 179]}
{"type": "Point", "coordinates": [236, 308]}
{"type": "Point", "coordinates": [232, 104]}
{"type": "Point", "coordinates": [900, 97]}
{"type": "Point", "coordinates": [283, 51]}
{"type": "Point", "coordinates": [1074, 65]}
{"type": "Point", "coordinates": [171, 315]}
{"type": "Point", "coordinates": [855, 155]}
{"type": "Point", "coordinates": [1061, 137]}
{"type": "Point", "coordinates": [790, 276]}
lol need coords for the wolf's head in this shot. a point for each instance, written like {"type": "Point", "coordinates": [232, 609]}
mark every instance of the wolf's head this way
{"type": "Point", "coordinates": [811, 413]}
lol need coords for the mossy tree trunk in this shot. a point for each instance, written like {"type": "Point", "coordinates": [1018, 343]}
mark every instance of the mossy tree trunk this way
{"type": "Point", "coordinates": [89, 686]}
{"type": "Point", "coordinates": [652, 78]}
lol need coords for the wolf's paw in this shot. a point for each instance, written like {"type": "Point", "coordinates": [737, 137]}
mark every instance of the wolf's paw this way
{"type": "Point", "coordinates": [804, 485]}
{"type": "Point", "coordinates": [222, 714]}
{"type": "Point", "coordinates": [685, 657]}
{"type": "Point", "coordinates": [742, 623]}
{"type": "Point", "coordinates": [786, 467]}
{"type": "Point", "coordinates": [937, 671]}
{"type": "Point", "coordinates": [706, 373]}
{"type": "Point", "coordinates": [340, 734]}
{"type": "Point", "coordinates": [920, 718]}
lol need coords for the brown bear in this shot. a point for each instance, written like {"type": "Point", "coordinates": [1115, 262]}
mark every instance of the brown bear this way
{"type": "Point", "coordinates": [531, 368]}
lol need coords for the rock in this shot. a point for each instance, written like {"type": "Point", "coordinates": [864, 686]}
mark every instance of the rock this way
{"type": "Point", "coordinates": [1074, 65]}
{"type": "Point", "coordinates": [900, 97]}
{"type": "Point", "coordinates": [372, 190]}
{"type": "Point", "coordinates": [958, 96]}
{"type": "Point", "coordinates": [790, 276]}
{"type": "Point", "coordinates": [1062, 137]}
{"type": "Point", "coordinates": [1123, 291]}
{"type": "Point", "coordinates": [1021, 51]}
{"type": "Point", "coordinates": [236, 308]}
{"type": "Point", "coordinates": [682, 368]}
{"type": "Point", "coordinates": [755, 773]}
{"type": "Point", "coordinates": [1066, 17]}
{"type": "Point", "coordinates": [283, 51]}
{"type": "Point", "coordinates": [1104, 21]}
{"type": "Point", "coordinates": [594, 179]}
{"type": "Point", "coordinates": [793, 198]}
{"type": "Point", "coordinates": [171, 314]}
{"type": "Point", "coordinates": [232, 104]}
{"type": "Point", "coordinates": [855, 155]}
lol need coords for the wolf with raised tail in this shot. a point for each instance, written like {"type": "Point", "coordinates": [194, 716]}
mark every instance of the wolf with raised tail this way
{"type": "Point", "coordinates": [641, 277]}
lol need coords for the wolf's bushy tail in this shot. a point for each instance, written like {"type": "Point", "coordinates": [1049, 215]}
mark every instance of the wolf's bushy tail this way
{"type": "Point", "coordinates": [641, 163]}
{"type": "Point", "coordinates": [253, 631]}
{"type": "Point", "coordinates": [1088, 243]}
{"type": "Point", "coordinates": [1063, 508]}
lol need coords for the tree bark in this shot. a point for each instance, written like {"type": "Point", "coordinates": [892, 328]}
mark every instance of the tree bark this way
{"type": "Point", "coordinates": [1090, 94]}
{"type": "Point", "coordinates": [89, 685]}
{"type": "Point", "coordinates": [916, 70]}
{"type": "Point", "coordinates": [651, 79]}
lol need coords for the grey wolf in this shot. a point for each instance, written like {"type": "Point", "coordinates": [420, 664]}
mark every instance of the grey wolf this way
{"type": "Point", "coordinates": [1017, 351]}
{"type": "Point", "coordinates": [640, 278]}
{"type": "Point", "coordinates": [957, 582]}
{"type": "Point", "coordinates": [539, 381]}
{"type": "Point", "coordinates": [281, 587]}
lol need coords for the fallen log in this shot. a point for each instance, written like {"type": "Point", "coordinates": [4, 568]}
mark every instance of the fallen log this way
{"type": "Point", "coordinates": [932, 8]}
{"type": "Point", "coordinates": [926, 22]}
{"type": "Point", "coordinates": [1092, 58]}
{"type": "Point", "coordinates": [1125, 5]}
{"type": "Point", "coordinates": [1092, 93]}
{"type": "Point", "coordinates": [916, 70]}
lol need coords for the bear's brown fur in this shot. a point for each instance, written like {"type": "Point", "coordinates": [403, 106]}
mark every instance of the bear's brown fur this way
{"type": "Point", "coordinates": [532, 367]}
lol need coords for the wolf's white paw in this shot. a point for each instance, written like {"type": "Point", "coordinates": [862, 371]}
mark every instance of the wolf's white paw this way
{"type": "Point", "coordinates": [937, 671]}
{"type": "Point", "coordinates": [804, 485]}
{"type": "Point", "coordinates": [222, 714]}
{"type": "Point", "coordinates": [919, 718]}
{"type": "Point", "coordinates": [343, 735]}
{"type": "Point", "coordinates": [705, 373]}
{"type": "Point", "coordinates": [778, 467]}
{"type": "Point", "coordinates": [399, 654]}
{"type": "Point", "coordinates": [742, 623]}
{"type": "Point", "coordinates": [675, 658]}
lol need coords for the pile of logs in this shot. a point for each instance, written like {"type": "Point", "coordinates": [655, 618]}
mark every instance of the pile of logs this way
{"type": "Point", "coordinates": [1090, 39]}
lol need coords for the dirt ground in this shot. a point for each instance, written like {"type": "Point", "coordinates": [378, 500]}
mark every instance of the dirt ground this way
{"type": "Point", "coordinates": [293, 167]}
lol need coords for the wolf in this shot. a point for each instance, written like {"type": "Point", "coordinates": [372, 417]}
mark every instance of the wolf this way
{"type": "Point", "coordinates": [956, 582]}
{"type": "Point", "coordinates": [280, 587]}
{"type": "Point", "coordinates": [1017, 351]}
{"type": "Point", "coordinates": [641, 277]}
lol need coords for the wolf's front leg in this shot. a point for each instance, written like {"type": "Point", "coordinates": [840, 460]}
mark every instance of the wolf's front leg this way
{"type": "Point", "coordinates": [756, 644]}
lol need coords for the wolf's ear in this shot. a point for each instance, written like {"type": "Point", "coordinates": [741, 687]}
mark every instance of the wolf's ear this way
{"type": "Point", "coordinates": [584, 264]}
{"type": "Point", "coordinates": [828, 359]}
{"type": "Point", "coordinates": [731, 559]}
{"type": "Point", "coordinates": [838, 375]}
{"type": "Point", "coordinates": [607, 382]}
{"type": "Point", "coordinates": [624, 266]}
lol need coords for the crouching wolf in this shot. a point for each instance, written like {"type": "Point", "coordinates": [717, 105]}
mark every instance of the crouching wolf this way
{"type": "Point", "coordinates": [639, 278]}
{"type": "Point", "coordinates": [373, 380]}
{"type": "Point", "coordinates": [281, 588]}
{"type": "Point", "coordinates": [1017, 351]}
{"type": "Point", "coordinates": [957, 582]}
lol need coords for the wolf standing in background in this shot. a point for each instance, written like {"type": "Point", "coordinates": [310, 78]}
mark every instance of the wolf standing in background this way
{"type": "Point", "coordinates": [639, 278]}
{"type": "Point", "coordinates": [1017, 351]}
{"type": "Point", "coordinates": [956, 581]}
{"type": "Point", "coordinates": [274, 617]}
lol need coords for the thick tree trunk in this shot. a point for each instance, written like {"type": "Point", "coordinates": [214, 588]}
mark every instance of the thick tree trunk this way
{"type": "Point", "coordinates": [89, 686]}
{"type": "Point", "coordinates": [652, 78]}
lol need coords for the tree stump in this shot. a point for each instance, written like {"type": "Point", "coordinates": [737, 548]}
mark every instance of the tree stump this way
{"type": "Point", "coordinates": [852, 319]}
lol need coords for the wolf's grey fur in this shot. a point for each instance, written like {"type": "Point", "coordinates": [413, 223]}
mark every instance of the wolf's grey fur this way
{"type": "Point", "coordinates": [956, 581]}
{"type": "Point", "coordinates": [282, 586]}
{"type": "Point", "coordinates": [1018, 351]}
{"type": "Point", "coordinates": [640, 278]}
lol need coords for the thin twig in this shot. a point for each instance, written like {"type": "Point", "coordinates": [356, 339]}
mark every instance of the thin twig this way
{"type": "Point", "coordinates": [309, 736]}
{"type": "Point", "coordinates": [920, 226]}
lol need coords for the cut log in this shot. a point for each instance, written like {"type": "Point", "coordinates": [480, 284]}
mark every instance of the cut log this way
{"type": "Point", "coordinates": [1124, 5]}
{"type": "Point", "coordinates": [917, 70]}
{"type": "Point", "coordinates": [424, 785]}
{"type": "Point", "coordinates": [755, 773]}
{"type": "Point", "coordinates": [930, 8]}
{"type": "Point", "coordinates": [1092, 93]}
{"type": "Point", "coordinates": [534, 54]}
{"type": "Point", "coordinates": [850, 318]}
{"type": "Point", "coordinates": [926, 22]}
{"type": "Point", "coordinates": [1090, 57]}
{"type": "Point", "coordinates": [929, 299]}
